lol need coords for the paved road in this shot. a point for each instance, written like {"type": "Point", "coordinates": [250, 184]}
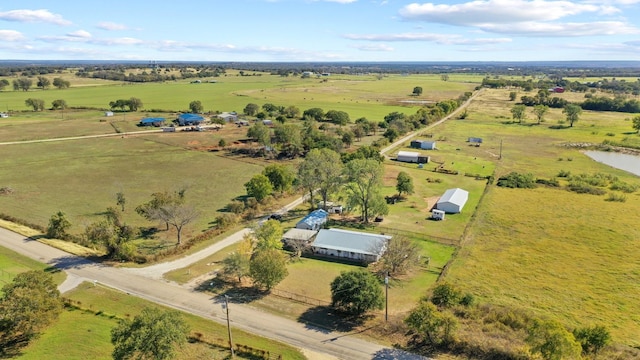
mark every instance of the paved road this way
{"type": "Point", "coordinates": [338, 345]}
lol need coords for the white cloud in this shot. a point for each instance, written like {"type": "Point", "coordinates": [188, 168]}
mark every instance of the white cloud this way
{"type": "Point", "coordinates": [81, 34]}
{"type": "Point", "coordinates": [428, 37]}
{"type": "Point", "coordinates": [118, 41]}
{"type": "Point", "coordinates": [496, 11]}
{"type": "Point", "coordinates": [41, 15]}
{"type": "Point", "coordinates": [563, 29]}
{"type": "Point", "coordinates": [110, 26]}
{"type": "Point", "coordinates": [374, 47]}
{"type": "Point", "coordinates": [11, 35]}
{"type": "Point", "coordinates": [338, 1]}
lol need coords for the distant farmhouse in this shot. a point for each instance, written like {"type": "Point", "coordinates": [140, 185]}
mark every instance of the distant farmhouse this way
{"type": "Point", "coordinates": [350, 245]}
{"type": "Point", "coordinates": [453, 200]}
{"type": "Point", "coordinates": [412, 157]}
{"type": "Point", "coordinates": [229, 117]}
{"type": "Point", "coordinates": [190, 119]}
{"type": "Point", "coordinates": [423, 144]}
{"type": "Point", "coordinates": [314, 221]}
{"type": "Point", "coordinates": [157, 121]}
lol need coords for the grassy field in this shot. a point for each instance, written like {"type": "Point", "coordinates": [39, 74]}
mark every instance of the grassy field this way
{"type": "Point", "coordinates": [12, 263]}
{"type": "Point", "coordinates": [90, 332]}
{"type": "Point", "coordinates": [552, 252]}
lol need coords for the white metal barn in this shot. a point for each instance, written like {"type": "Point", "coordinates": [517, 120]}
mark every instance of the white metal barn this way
{"type": "Point", "coordinates": [453, 200]}
{"type": "Point", "coordinates": [408, 156]}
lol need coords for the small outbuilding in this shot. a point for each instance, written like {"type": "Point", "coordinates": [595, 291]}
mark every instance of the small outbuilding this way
{"type": "Point", "coordinates": [298, 238]}
{"type": "Point", "coordinates": [158, 121]}
{"type": "Point", "coordinates": [350, 245]}
{"type": "Point", "coordinates": [108, 113]}
{"type": "Point", "coordinates": [412, 157]}
{"type": "Point", "coordinates": [190, 119]}
{"type": "Point", "coordinates": [453, 200]}
{"type": "Point", "coordinates": [475, 140]}
{"type": "Point", "coordinates": [314, 221]}
{"type": "Point", "coordinates": [423, 144]}
{"type": "Point", "coordinates": [229, 117]}
{"type": "Point", "coordinates": [437, 214]}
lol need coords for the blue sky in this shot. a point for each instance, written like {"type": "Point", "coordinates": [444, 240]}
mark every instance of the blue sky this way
{"type": "Point", "coordinates": [320, 30]}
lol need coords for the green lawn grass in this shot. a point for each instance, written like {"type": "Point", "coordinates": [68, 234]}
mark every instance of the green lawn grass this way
{"type": "Point", "coordinates": [12, 264]}
{"type": "Point", "coordinates": [85, 335]}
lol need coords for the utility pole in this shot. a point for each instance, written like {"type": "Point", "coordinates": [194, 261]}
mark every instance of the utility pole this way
{"type": "Point", "coordinates": [226, 306]}
{"type": "Point", "coordinates": [500, 157]}
{"type": "Point", "coordinates": [386, 297]}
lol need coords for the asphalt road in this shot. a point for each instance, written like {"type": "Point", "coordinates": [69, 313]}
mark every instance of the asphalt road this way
{"type": "Point", "coordinates": [246, 317]}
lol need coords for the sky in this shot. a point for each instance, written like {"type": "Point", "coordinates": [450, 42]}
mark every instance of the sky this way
{"type": "Point", "coordinates": [320, 30]}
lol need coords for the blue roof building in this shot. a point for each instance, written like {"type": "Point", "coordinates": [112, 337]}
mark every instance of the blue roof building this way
{"type": "Point", "coordinates": [313, 221]}
{"type": "Point", "coordinates": [152, 121]}
{"type": "Point", "coordinates": [190, 119]}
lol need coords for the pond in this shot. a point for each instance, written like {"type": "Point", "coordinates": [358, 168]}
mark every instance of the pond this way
{"type": "Point", "coordinates": [630, 163]}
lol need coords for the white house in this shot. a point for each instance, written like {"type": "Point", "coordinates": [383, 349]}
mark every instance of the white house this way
{"type": "Point", "coordinates": [453, 200]}
{"type": "Point", "coordinates": [412, 157]}
{"type": "Point", "coordinates": [229, 117]}
{"type": "Point", "coordinates": [350, 245]}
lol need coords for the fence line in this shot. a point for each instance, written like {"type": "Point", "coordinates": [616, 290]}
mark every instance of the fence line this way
{"type": "Point", "coordinates": [299, 298]}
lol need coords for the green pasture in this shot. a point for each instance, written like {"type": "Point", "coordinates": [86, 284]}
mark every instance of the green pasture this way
{"type": "Point", "coordinates": [358, 95]}
{"type": "Point", "coordinates": [81, 178]}
{"type": "Point", "coordinates": [12, 264]}
{"type": "Point", "coordinates": [558, 254]}
{"type": "Point", "coordinates": [86, 335]}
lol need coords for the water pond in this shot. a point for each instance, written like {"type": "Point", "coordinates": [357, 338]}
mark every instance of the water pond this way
{"type": "Point", "coordinates": [630, 163]}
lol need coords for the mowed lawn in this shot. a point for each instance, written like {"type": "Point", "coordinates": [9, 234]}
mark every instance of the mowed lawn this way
{"type": "Point", "coordinates": [12, 264]}
{"type": "Point", "coordinates": [573, 257]}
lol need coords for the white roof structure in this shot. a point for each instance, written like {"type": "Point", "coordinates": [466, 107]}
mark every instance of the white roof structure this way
{"type": "Point", "coordinates": [352, 241]}
{"type": "Point", "coordinates": [299, 234]}
{"type": "Point", "coordinates": [408, 154]}
{"type": "Point", "coordinates": [453, 200]}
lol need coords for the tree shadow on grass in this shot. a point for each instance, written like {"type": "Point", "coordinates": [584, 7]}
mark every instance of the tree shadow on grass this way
{"type": "Point", "coordinates": [325, 319]}
{"type": "Point", "coordinates": [235, 294]}
{"type": "Point", "coordinates": [559, 127]}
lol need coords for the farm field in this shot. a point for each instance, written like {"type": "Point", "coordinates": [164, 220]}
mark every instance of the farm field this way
{"type": "Point", "coordinates": [555, 253]}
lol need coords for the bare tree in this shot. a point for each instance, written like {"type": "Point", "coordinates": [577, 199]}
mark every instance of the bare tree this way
{"type": "Point", "coordinates": [177, 215]}
{"type": "Point", "coordinates": [401, 255]}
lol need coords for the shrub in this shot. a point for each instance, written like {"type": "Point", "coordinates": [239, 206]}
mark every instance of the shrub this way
{"type": "Point", "coordinates": [549, 182]}
{"type": "Point", "coordinates": [584, 188]}
{"type": "Point", "coordinates": [446, 295]}
{"type": "Point", "coordinates": [623, 186]}
{"type": "Point", "coordinates": [592, 339]}
{"type": "Point", "coordinates": [616, 197]}
{"type": "Point", "coordinates": [517, 180]}
{"type": "Point", "coordinates": [564, 174]}
{"type": "Point", "coordinates": [236, 207]}
{"type": "Point", "coordinates": [225, 221]}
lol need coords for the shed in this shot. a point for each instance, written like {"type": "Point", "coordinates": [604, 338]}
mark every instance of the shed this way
{"type": "Point", "coordinates": [294, 237]}
{"type": "Point", "coordinates": [228, 116]}
{"type": "Point", "coordinates": [314, 220]}
{"type": "Point", "coordinates": [157, 121]}
{"type": "Point", "coordinates": [350, 245]}
{"type": "Point", "coordinates": [412, 157]}
{"type": "Point", "coordinates": [475, 140]}
{"type": "Point", "coordinates": [267, 122]}
{"type": "Point", "coordinates": [190, 119]}
{"type": "Point", "coordinates": [453, 200]}
{"type": "Point", "coordinates": [423, 144]}
{"type": "Point", "coordinates": [108, 113]}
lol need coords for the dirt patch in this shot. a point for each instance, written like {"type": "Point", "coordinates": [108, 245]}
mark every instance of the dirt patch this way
{"type": "Point", "coordinates": [431, 203]}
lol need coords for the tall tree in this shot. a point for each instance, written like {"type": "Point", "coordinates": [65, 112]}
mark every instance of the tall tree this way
{"type": "Point", "coordinates": [431, 325]}
{"type": "Point", "coordinates": [259, 187]}
{"type": "Point", "coordinates": [321, 170]}
{"type": "Point", "coordinates": [237, 263]}
{"type": "Point", "coordinates": [3, 84]}
{"type": "Point", "coordinates": [260, 133]}
{"type": "Point", "coordinates": [540, 111]}
{"type": "Point", "coordinates": [43, 82]}
{"type": "Point", "coordinates": [316, 114]}
{"type": "Point", "coordinates": [401, 256]}
{"type": "Point", "coordinates": [251, 109]}
{"type": "Point", "coordinates": [269, 235]}
{"type": "Point", "coordinates": [134, 104]}
{"type": "Point", "coordinates": [58, 226]}
{"type": "Point", "coordinates": [154, 334]}
{"type": "Point", "coordinates": [364, 178]}
{"type": "Point", "coordinates": [519, 112]}
{"type": "Point", "coordinates": [121, 200]}
{"type": "Point", "coordinates": [28, 304]}
{"type": "Point", "coordinates": [552, 341]}
{"type": "Point", "coordinates": [417, 91]}
{"type": "Point", "coordinates": [572, 112]}
{"type": "Point", "coordinates": [36, 104]}
{"type": "Point", "coordinates": [22, 83]}
{"type": "Point", "coordinates": [635, 123]}
{"type": "Point", "coordinates": [59, 104]}
{"type": "Point", "coordinates": [151, 210]}
{"type": "Point", "coordinates": [280, 176]}
{"type": "Point", "coordinates": [196, 107]}
{"type": "Point", "coordinates": [404, 183]}
{"type": "Point", "coordinates": [61, 83]}
{"type": "Point", "coordinates": [114, 235]}
{"type": "Point", "coordinates": [356, 292]}
{"type": "Point", "coordinates": [337, 117]}
{"type": "Point", "coordinates": [178, 216]}
{"type": "Point", "coordinates": [291, 112]}
{"type": "Point", "coordinates": [268, 268]}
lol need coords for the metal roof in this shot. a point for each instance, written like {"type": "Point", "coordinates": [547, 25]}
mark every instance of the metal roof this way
{"type": "Point", "coordinates": [190, 117]}
{"type": "Point", "coordinates": [299, 234]}
{"type": "Point", "coordinates": [316, 217]}
{"type": "Point", "coordinates": [351, 241]}
{"type": "Point", "coordinates": [408, 153]}
{"type": "Point", "coordinates": [152, 120]}
{"type": "Point", "coordinates": [455, 196]}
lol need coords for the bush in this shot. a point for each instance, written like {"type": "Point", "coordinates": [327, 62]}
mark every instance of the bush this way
{"type": "Point", "coordinates": [446, 295]}
{"type": "Point", "coordinates": [592, 339]}
{"type": "Point", "coordinates": [225, 221]}
{"type": "Point", "coordinates": [584, 188]}
{"type": "Point", "coordinates": [236, 207]}
{"type": "Point", "coordinates": [549, 182]}
{"type": "Point", "coordinates": [564, 174]}
{"type": "Point", "coordinates": [517, 180]}
{"type": "Point", "coordinates": [623, 186]}
{"type": "Point", "coordinates": [616, 197]}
